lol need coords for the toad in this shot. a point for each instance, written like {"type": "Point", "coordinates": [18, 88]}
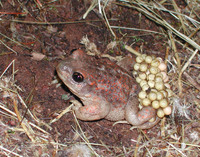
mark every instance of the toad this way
{"type": "Point", "coordinates": [105, 89]}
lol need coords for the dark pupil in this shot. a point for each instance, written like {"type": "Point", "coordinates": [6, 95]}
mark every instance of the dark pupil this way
{"type": "Point", "coordinates": [78, 77]}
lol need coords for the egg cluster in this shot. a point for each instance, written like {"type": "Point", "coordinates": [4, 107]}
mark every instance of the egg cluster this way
{"type": "Point", "coordinates": [151, 74]}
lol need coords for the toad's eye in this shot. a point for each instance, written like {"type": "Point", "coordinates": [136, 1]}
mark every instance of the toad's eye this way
{"type": "Point", "coordinates": [78, 77]}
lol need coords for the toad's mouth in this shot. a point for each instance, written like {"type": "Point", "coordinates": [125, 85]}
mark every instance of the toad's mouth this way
{"type": "Point", "coordinates": [63, 76]}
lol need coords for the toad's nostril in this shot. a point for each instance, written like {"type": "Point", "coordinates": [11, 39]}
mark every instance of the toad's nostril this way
{"type": "Point", "coordinates": [61, 67]}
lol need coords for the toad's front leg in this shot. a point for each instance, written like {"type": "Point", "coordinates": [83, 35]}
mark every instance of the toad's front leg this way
{"type": "Point", "coordinates": [91, 111]}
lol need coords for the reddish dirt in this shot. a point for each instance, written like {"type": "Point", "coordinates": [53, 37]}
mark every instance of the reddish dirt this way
{"type": "Point", "coordinates": [56, 42]}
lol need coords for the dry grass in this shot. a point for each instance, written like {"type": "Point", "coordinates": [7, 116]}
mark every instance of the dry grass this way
{"type": "Point", "coordinates": [11, 105]}
{"type": "Point", "coordinates": [179, 134]}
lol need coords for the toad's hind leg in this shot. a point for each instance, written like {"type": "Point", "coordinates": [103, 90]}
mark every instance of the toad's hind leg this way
{"type": "Point", "coordinates": [139, 118]}
{"type": "Point", "coordinates": [148, 124]}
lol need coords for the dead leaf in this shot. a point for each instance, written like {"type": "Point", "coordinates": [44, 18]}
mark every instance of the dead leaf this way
{"type": "Point", "coordinates": [37, 56]}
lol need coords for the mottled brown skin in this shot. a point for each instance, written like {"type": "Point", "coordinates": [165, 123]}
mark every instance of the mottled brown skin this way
{"type": "Point", "coordinates": [105, 89]}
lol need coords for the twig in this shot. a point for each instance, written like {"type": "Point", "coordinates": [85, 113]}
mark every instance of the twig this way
{"type": "Point", "coordinates": [83, 136]}
{"type": "Point", "coordinates": [61, 114]}
{"type": "Point", "coordinates": [137, 29]}
{"type": "Point", "coordinates": [177, 149]}
{"type": "Point", "coordinates": [7, 110]}
{"type": "Point", "coordinates": [26, 127]}
{"type": "Point", "coordinates": [166, 54]}
{"type": "Point", "coordinates": [39, 3]}
{"type": "Point", "coordinates": [91, 7]}
{"type": "Point", "coordinates": [12, 41]}
{"type": "Point", "coordinates": [11, 152]}
{"type": "Point", "coordinates": [179, 16]}
{"type": "Point", "coordinates": [107, 22]}
{"type": "Point", "coordinates": [130, 49]}
{"type": "Point", "coordinates": [8, 47]}
{"type": "Point", "coordinates": [191, 35]}
{"type": "Point", "coordinates": [175, 51]}
{"type": "Point", "coordinates": [55, 23]}
{"type": "Point", "coordinates": [137, 145]}
{"type": "Point", "coordinates": [7, 68]}
{"type": "Point", "coordinates": [191, 80]}
{"type": "Point", "coordinates": [183, 69]}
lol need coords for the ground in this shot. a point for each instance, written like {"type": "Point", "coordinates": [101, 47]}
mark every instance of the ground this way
{"type": "Point", "coordinates": [43, 27]}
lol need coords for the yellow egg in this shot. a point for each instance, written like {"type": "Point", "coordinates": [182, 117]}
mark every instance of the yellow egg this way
{"type": "Point", "coordinates": [159, 86]}
{"type": "Point", "coordinates": [151, 77]}
{"type": "Point", "coordinates": [169, 92]}
{"type": "Point", "coordinates": [143, 67]}
{"type": "Point", "coordinates": [164, 93]}
{"type": "Point", "coordinates": [134, 73]}
{"type": "Point", "coordinates": [162, 66]}
{"type": "Point", "coordinates": [159, 96]}
{"type": "Point", "coordinates": [152, 96]}
{"type": "Point", "coordinates": [166, 79]}
{"type": "Point", "coordinates": [158, 79]}
{"type": "Point", "coordinates": [167, 110]}
{"type": "Point", "coordinates": [163, 103]}
{"type": "Point", "coordinates": [155, 63]}
{"type": "Point", "coordinates": [136, 66]}
{"type": "Point", "coordinates": [139, 59]}
{"type": "Point", "coordinates": [159, 59]}
{"type": "Point", "coordinates": [155, 104]}
{"type": "Point", "coordinates": [145, 87]}
{"type": "Point", "coordinates": [138, 80]}
{"type": "Point", "coordinates": [142, 94]}
{"type": "Point", "coordinates": [142, 76]}
{"type": "Point", "coordinates": [143, 82]}
{"type": "Point", "coordinates": [151, 84]}
{"type": "Point", "coordinates": [148, 59]}
{"type": "Point", "coordinates": [153, 70]}
{"type": "Point", "coordinates": [146, 102]}
{"type": "Point", "coordinates": [159, 75]}
{"type": "Point", "coordinates": [143, 56]}
{"type": "Point", "coordinates": [160, 113]}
